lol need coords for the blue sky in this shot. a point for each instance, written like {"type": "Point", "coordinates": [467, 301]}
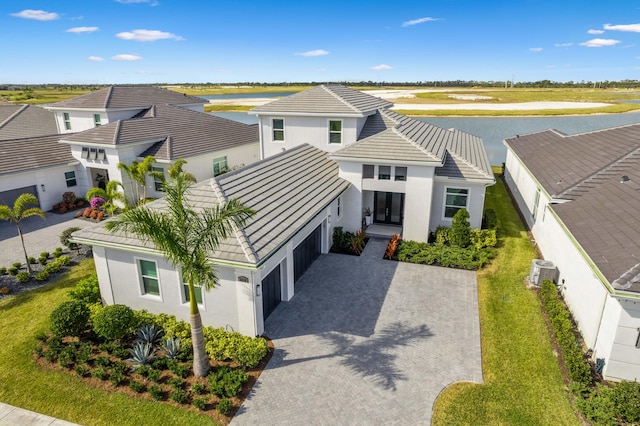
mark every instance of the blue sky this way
{"type": "Point", "coordinates": [172, 41]}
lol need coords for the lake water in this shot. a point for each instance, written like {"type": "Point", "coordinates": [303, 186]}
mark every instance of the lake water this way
{"type": "Point", "coordinates": [248, 95]}
{"type": "Point", "coordinates": [494, 130]}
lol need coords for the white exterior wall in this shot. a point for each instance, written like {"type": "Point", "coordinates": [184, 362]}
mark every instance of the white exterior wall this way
{"type": "Point", "coordinates": [352, 199]}
{"type": "Point", "coordinates": [417, 203]}
{"type": "Point", "coordinates": [50, 183]}
{"type": "Point", "coordinates": [523, 187]}
{"type": "Point", "coordinates": [311, 130]}
{"type": "Point", "coordinates": [623, 363]}
{"type": "Point", "coordinates": [475, 202]}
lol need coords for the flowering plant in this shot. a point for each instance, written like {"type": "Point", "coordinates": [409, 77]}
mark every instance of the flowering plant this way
{"type": "Point", "coordinates": [97, 202]}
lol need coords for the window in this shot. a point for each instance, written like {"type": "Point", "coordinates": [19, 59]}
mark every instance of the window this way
{"type": "Point", "coordinates": [401, 173]}
{"type": "Point", "coordinates": [339, 207]}
{"type": "Point", "coordinates": [158, 181]}
{"type": "Point", "coordinates": [335, 131]}
{"type": "Point", "coordinates": [96, 120]}
{"type": "Point", "coordinates": [384, 172]}
{"type": "Point", "coordinates": [536, 203]}
{"type": "Point", "coordinates": [456, 199]}
{"type": "Point", "coordinates": [149, 275]}
{"type": "Point", "coordinates": [368, 171]}
{"type": "Point", "coordinates": [70, 177]}
{"type": "Point", "coordinates": [197, 290]}
{"type": "Point", "coordinates": [277, 124]}
{"type": "Point", "coordinates": [93, 153]}
{"type": "Point", "coordinates": [85, 152]}
{"type": "Point", "coordinates": [219, 166]}
{"type": "Point", "coordinates": [67, 120]}
{"type": "Point", "coordinates": [102, 155]}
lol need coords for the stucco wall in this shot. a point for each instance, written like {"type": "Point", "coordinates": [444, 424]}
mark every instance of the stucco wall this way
{"type": "Point", "coordinates": [417, 203]}
{"type": "Point", "coordinates": [475, 202]}
{"type": "Point", "coordinates": [52, 178]}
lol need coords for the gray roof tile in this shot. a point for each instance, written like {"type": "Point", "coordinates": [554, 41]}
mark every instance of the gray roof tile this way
{"type": "Point", "coordinates": [332, 100]}
{"type": "Point", "coordinates": [128, 97]}
{"type": "Point", "coordinates": [25, 121]}
{"type": "Point", "coordinates": [19, 155]}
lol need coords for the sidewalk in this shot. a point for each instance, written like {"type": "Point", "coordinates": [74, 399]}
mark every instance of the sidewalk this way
{"type": "Point", "coordinates": [14, 416]}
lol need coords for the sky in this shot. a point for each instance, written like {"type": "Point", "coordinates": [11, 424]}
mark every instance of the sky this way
{"type": "Point", "coordinates": [214, 41]}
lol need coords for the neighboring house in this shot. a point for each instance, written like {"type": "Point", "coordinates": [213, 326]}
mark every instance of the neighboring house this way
{"type": "Point", "coordinates": [335, 152]}
{"type": "Point", "coordinates": [580, 195]}
{"type": "Point", "coordinates": [87, 136]}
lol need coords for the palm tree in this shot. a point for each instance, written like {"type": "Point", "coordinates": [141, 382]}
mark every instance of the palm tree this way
{"type": "Point", "coordinates": [19, 212]}
{"type": "Point", "coordinates": [137, 172]}
{"type": "Point", "coordinates": [111, 194]}
{"type": "Point", "coordinates": [186, 238]}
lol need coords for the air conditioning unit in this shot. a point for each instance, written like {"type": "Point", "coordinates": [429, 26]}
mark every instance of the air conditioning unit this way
{"type": "Point", "coordinates": [541, 270]}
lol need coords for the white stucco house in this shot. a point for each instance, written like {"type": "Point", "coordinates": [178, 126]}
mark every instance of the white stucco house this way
{"type": "Point", "coordinates": [580, 196]}
{"type": "Point", "coordinates": [76, 144]}
{"type": "Point", "coordinates": [327, 154]}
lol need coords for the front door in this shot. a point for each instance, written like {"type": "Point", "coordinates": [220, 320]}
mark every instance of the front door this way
{"type": "Point", "coordinates": [389, 207]}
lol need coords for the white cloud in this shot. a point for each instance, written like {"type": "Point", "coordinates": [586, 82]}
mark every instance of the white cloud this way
{"type": "Point", "coordinates": [563, 44]}
{"type": "Point", "coordinates": [150, 2]}
{"type": "Point", "coordinates": [600, 42]}
{"type": "Point", "coordinates": [310, 53]}
{"type": "Point", "coordinates": [630, 28]}
{"type": "Point", "coordinates": [38, 15]}
{"type": "Point", "coordinates": [126, 57]}
{"type": "Point", "coordinates": [381, 67]}
{"type": "Point", "coordinates": [78, 30]}
{"type": "Point", "coordinates": [147, 35]}
{"type": "Point", "coordinates": [95, 59]}
{"type": "Point", "coordinates": [418, 21]}
{"type": "Point", "coordinates": [595, 32]}
{"type": "Point", "coordinates": [535, 49]}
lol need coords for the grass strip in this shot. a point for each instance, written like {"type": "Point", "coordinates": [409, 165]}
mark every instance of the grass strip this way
{"type": "Point", "coordinates": [62, 394]}
{"type": "Point", "coordinates": [523, 384]}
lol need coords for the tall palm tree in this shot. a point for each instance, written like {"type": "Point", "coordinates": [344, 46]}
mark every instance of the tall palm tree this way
{"type": "Point", "coordinates": [186, 238]}
{"type": "Point", "coordinates": [111, 194]}
{"type": "Point", "coordinates": [138, 172]}
{"type": "Point", "coordinates": [20, 212]}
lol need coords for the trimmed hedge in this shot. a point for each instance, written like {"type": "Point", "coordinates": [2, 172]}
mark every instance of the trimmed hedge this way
{"type": "Point", "coordinates": [114, 322]}
{"type": "Point", "coordinates": [443, 255]}
{"type": "Point", "coordinates": [69, 318]}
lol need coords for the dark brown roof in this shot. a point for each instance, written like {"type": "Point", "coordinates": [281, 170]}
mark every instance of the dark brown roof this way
{"type": "Point", "coordinates": [597, 176]}
{"type": "Point", "coordinates": [177, 132]}
{"type": "Point", "coordinates": [18, 155]}
{"type": "Point", "coordinates": [128, 97]}
{"type": "Point", "coordinates": [24, 121]}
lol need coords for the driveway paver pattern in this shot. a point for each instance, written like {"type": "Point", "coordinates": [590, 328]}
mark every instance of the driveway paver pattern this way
{"type": "Point", "coordinates": [367, 341]}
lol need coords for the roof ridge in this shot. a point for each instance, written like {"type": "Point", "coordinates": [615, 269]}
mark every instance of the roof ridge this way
{"type": "Point", "coordinates": [340, 98]}
{"type": "Point", "coordinates": [169, 148]}
{"type": "Point", "coordinates": [240, 234]}
{"type": "Point", "coordinates": [116, 134]}
{"type": "Point", "coordinates": [14, 115]}
{"type": "Point", "coordinates": [108, 97]}
{"type": "Point", "coordinates": [598, 173]}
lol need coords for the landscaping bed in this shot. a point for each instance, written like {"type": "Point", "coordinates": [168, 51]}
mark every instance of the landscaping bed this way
{"type": "Point", "coordinates": [351, 243]}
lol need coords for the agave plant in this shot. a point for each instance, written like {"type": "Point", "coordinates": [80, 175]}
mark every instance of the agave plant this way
{"type": "Point", "coordinates": [141, 354]}
{"type": "Point", "coordinates": [150, 334]}
{"type": "Point", "coordinates": [171, 347]}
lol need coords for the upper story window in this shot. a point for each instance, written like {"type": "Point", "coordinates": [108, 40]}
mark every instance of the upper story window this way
{"type": "Point", "coordinates": [455, 199]}
{"type": "Point", "coordinates": [384, 172]}
{"type": "Point", "coordinates": [70, 178]}
{"type": "Point", "coordinates": [400, 173]}
{"type": "Point", "coordinates": [185, 292]}
{"type": "Point", "coordinates": [368, 171]}
{"type": "Point", "coordinates": [339, 207]}
{"type": "Point", "coordinates": [277, 124]}
{"type": "Point", "coordinates": [219, 166]}
{"type": "Point", "coordinates": [149, 277]}
{"type": "Point", "coordinates": [158, 178]}
{"type": "Point", "coordinates": [96, 120]}
{"type": "Point", "coordinates": [335, 131]}
{"type": "Point", "coordinates": [67, 121]}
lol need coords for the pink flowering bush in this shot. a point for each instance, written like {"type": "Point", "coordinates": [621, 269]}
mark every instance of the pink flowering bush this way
{"type": "Point", "coordinates": [97, 202]}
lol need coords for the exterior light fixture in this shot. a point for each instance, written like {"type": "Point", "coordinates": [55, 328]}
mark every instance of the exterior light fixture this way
{"type": "Point", "coordinates": [258, 292]}
{"type": "Point", "coordinates": [44, 189]}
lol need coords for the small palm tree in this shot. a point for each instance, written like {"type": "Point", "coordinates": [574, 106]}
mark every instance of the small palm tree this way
{"type": "Point", "coordinates": [138, 172]}
{"type": "Point", "coordinates": [20, 212]}
{"type": "Point", "coordinates": [186, 237]}
{"type": "Point", "coordinates": [111, 194]}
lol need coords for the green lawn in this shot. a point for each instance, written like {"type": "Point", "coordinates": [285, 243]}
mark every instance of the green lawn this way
{"type": "Point", "coordinates": [61, 394]}
{"type": "Point", "coordinates": [522, 380]}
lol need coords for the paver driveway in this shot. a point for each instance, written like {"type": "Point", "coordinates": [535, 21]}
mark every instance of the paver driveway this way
{"type": "Point", "coordinates": [367, 341]}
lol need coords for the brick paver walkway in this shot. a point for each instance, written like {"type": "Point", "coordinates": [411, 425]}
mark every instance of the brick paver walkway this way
{"type": "Point", "coordinates": [367, 341]}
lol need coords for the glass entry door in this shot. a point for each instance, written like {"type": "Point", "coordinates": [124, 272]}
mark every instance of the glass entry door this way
{"type": "Point", "coordinates": [389, 207]}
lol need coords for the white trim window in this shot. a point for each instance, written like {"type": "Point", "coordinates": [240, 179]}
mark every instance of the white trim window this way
{"type": "Point", "coordinates": [67, 120]}
{"type": "Point", "coordinates": [454, 200]}
{"type": "Point", "coordinates": [536, 204]}
{"type": "Point", "coordinates": [158, 182]}
{"type": "Point", "coordinates": [149, 281]}
{"type": "Point", "coordinates": [339, 207]}
{"type": "Point", "coordinates": [70, 178]}
{"type": "Point", "coordinates": [220, 166]}
{"type": "Point", "coordinates": [335, 132]}
{"type": "Point", "coordinates": [277, 128]}
{"type": "Point", "coordinates": [96, 120]}
{"type": "Point", "coordinates": [185, 293]}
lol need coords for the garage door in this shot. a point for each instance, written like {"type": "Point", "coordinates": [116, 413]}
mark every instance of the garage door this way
{"type": "Point", "coordinates": [306, 252]}
{"type": "Point", "coordinates": [271, 295]}
{"type": "Point", "coordinates": [10, 197]}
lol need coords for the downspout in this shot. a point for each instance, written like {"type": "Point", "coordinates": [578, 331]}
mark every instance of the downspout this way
{"type": "Point", "coordinates": [253, 296]}
{"type": "Point", "coordinates": [595, 343]}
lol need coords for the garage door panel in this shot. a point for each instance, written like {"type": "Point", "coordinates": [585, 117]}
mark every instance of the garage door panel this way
{"type": "Point", "coordinates": [9, 197]}
{"type": "Point", "coordinates": [271, 292]}
{"type": "Point", "coordinates": [307, 252]}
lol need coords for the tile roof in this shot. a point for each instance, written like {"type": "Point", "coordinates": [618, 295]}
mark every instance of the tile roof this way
{"type": "Point", "coordinates": [598, 173]}
{"type": "Point", "coordinates": [331, 100]}
{"type": "Point", "coordinates": [128, 97]}
{"type": "Point", "coordinates": [19, 155]}
{"type": "Point", "coordinates": [24, 121]}
{"type": "Point", "coordinates": [389, 136]}
{"type": "Point", "coordinates": [286, 191]}
{"type": "Point", "coordinates": [176, 132]}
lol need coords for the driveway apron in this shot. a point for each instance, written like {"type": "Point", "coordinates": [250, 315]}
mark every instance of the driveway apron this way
{"type": "Point", "coordinates": [367, 341]}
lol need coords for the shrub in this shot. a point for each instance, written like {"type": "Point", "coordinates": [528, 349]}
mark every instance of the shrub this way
{"type": "Point", "coordinates": [69, 197]}
{"type": "Point", "coordinates": [156, 392]}
{"type": "Point", "coordinates": [17, 265]}
{"type": "Point", "coordinates": [459, 235]}
{"type": "Point", "coordinates": [32, 260]}
{"type": "Point", "coordinates": [4, 290]}
{"type": "Point", "coordinates": [3, 270]}
{"type": "Point", "coordinates": [66, 236]}
{"type": "Point", "coordinates": [69, 318]}
{"type": "Point", "coordinates": [171, 347]}
{"type": "Point", "coordinates": [178, 369]}
{"type": "Point", "coordinates": [53, 267]}
{"type": "Point", "coordinates": [489, 220]}
{"type": "Point", "coordinates": [154, 375]}
{"type": "Point", "coordinates": [200, 403]}
{"type": "Point", "coordinates": [104, 361]}
{"type": "Point", "coordinates": [43, 260]}
{"type": "Point", "coordinates": [83, 353]}
{"type": "Point", "coordinates": [87, 290]}
{"type": "Point", "coordinates": [357, 241]}
{"type": "Point", "coordinates": [66, 357]}
{"type": "Point", "coordinates": [137, 386]}
{"type": "Point", "coordinates": [81, 370]}
{"type": "Point", "coordinates": [23, 277]}
{"type": "Point", "coordinates": [57, 252]}
{"type": "Point", "coordinates": [442, 235]}
{"type": "Point", "coordinates": [341, 240]}
{"type": "Point", "coordinates": [174, 328]}
{"type": "Point", "coordinates": [63, 260]}
{"type": "Point", "coordinates": [626, 401]}
{"type": "Point", "coordinates": [13, 271]}
{"type": "Point", "coordinates": [141, 354]}
{"type": "Point", "coordinates": [392, 246]}
{"type": "Point", "coordinates": [100, 216]}
{"type": "Point", "coordinates": [114, 322]}
{"type": "Point", "coordinates": [481, 238]}
{"type": "Point", "coordinates": [224, 406]}
{"type": "Point", "coordinates": [42, 275]}
{"type": "Point", "coordinates": [100, 373]}
{"type": "Point", "coordinates": [176, 382]}
{"type": "Point", "coordinates": [447, 256]}
{"type": "Point", "coordinates": [160, 363]}
{"type": "Point", "coordinates": [198, 388]}
{"type": "Point", "coordinates": [179, 396]}
{"type": "Point", "coordinates": [245, 351]}
{"type": "Point", "coordinates": [150, 333]}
